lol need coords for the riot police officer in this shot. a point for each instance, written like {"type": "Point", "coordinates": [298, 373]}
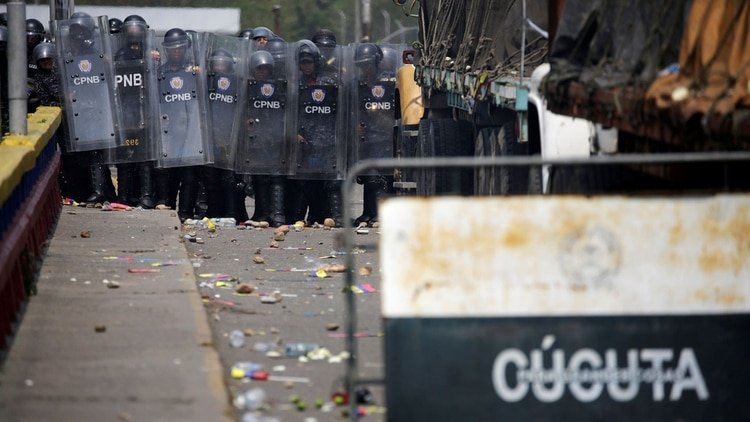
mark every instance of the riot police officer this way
{"type": "Point", "coordinates": [176, 67]}
{"type": "Point", "coordinates": [224, 190]}
{"type": "Point", "coordinates": [261, 36]}
{"type": "Point", "coordinates": [115, 25]}
{"type": "Point", "coordinates": [263, 150]}
{"type": "Point", "coordinates": [318, 150]}
{"type": "Point", "coordinates": [81, 43]}
{"type": "Point", "coordinates": [134, 161]}
{"type": "Point", "coordinates": [374, 128]}
{"type": "Point", "coordinates": [34, 35]}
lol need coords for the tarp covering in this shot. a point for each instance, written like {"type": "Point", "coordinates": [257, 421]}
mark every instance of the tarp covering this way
{"type": "Point", "coordinates": [675, 70]}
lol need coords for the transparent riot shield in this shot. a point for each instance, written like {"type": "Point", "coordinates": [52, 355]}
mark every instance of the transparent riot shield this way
{"type": "Point", "coordinates": [183, 100]}
{"type": "Point", "coordinates": [318, 150]}
{"type": "Point", "coordinates": [225, 73]}
{"type": "Point", "coordinates": [135, 95]}
{"type": "Point", "coordinates": [266, 136]}
{"type": "Point", "coordinates": [373, 99]}
{"type": "Point", "coordinates": [85, 63]}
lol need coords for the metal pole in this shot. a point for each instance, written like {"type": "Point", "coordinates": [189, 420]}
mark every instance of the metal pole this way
{"type": "Point", "coordinates": [342, 34]}
{"type": "Point", "coordinates": [366, 21]}
{"type": "Point", "coordinates": [17, 67]}
{"type": "Point", "coordinates": [277, 19]}
{"type": "Point", "coordinates": [386, 23]}
{"type": "Point", "coordinates": [357, 22]}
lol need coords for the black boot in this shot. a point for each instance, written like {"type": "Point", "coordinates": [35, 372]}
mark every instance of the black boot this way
{"type": "Point", "coordinates": [162, 185]}
{"type": "Point", "coordinates": [188, 193]}
{"type": "Point", "coordinates": [201, 201]}
{"type": "Point", "coordinates": [378, 190]}
{"type": "Point", "coordinates": [145, 173]}
{"type": "Point", "coordinates": [97, 184]}
{"type": "Point", "coordinates": [260, 186]}
{"type": "Point", "coordinates": [298, 202]}
{"type": "Point", "coordinates": [239, 191]}
{"type": "Point", "coordinates": [124, 183]}
{"type": "Point", "coordinates": [276, 198]}
{"type": "Point", "coordinates": [215, 192]}
{"type": "Point", "coordinates": [369, 204]}
{"type": "Point", "coordinates": [335, 206]}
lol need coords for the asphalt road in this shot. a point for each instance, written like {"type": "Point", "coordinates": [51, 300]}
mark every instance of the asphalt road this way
{"type": "Point", "coordinates": [309, 309]}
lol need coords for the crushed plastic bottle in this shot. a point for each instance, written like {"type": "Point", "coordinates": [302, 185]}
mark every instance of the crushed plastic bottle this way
{"type": "Point", "coordinates": [224, 222]}
{"type": "Point", "coordinates": [252, 399]}
{"type": "Point", "coordinates": [262, 347]}
{"type": "Point", "coordinates": [294, 350]}
{"type": "Point", "coordinates": [237, 338]}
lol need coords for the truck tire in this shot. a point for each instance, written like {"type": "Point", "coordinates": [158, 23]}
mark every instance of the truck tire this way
{"type": "Point", "coordinates": [446, 138]}
{"type": "Point", "coordinates": [483, 176]}
{"type": "Point", "coordinates": [510, 180]}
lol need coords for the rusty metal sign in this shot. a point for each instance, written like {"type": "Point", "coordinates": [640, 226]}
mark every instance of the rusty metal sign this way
{"type": "Point", "coordinates": [530, 308]}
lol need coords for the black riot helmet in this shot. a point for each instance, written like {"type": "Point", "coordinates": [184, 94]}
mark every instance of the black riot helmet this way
{"type": "Point", "coordinates": [34, 33]}
{"type": "Point", "coordinates": [308, 49]}
{"type": "Point", "coordinates": [390, 58]}
{"type": "Point", "coordinates": [368, 54]}
{"type": "Point", "coordinates": [134, 27]}
{"type": "Point", "coordinates": [115, 25]}
{"type": "Point", "coordinates": [221, 61]}
{"type": "Point", "coordinates": [261, 58]}
{"type": "Point", "coordinates": [246, 33]}
{"type": "Point", "coordinates": [277, 48]}
{"type": "Point", "coordinates": [81, 27]}
{"type": "Point", "coordinates": [324, 38]}
{"type": "Point", "coordinates": [175, 38]}
{"type": "Point", "coordinates": [45, 50]}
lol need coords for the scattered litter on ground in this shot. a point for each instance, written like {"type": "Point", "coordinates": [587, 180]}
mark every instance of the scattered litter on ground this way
{"type": "Point", "coordinates": [365, 271]}
{"type": "Point", "coordinates": [360, 334]}
{"type": "Point", "coordinates": [111, 284]}
{"type": "Point", "coordinates": [332, 326]}
{"type": "Point", "coordinates": [100, 328]}
{"type": "Point", "coordinates": [85, 234]}
{"type": "Point", "coordinates": [259, 260]}
{"type": "Point", "coordinates": [363, 231]}
{"type": "Point", "coordinates": [329, 222]}
{"type": "Point", "coordinates": [245, 288]}
{"type": "Point", "coordinates": [279, 236]}
{"type": "Point", "coordinates": [364, 288]}
{"type": "Point", "coordinates": [253, 399]}
{"type": "Point", "coordinates": [143, 270]}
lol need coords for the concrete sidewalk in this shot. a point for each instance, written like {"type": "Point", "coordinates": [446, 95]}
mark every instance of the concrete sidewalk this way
{"type": "Point", "coordinates": [154, 360]}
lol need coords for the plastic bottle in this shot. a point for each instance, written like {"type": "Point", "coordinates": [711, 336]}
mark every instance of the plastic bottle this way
{"type": "Point", "coordinates": [224, 222]}
{"type": "Point", "coordinates": [252, 399]}
{"type": "Point", "coordinates": [294, 350]}
{"type": "Point", "coordinates": [237, 338]}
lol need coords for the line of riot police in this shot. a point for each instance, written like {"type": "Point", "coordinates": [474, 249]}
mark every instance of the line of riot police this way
{"type": "Point", "coordinates": [182, 110]}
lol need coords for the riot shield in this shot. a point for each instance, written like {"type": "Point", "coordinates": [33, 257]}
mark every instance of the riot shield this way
{"type": "Point", "coordinates": [181, 82]}
{"type": "Point", "coordinates": [85, 63]}
{"type": "Point", "coordinates": [135, 95]}
{"type": "Point", "coordinates": [318, 150]}
{"type": "Point", "coordinates": [225, 67]}
{"type": "Point", "coordinates": [266, 136]}
{"type": "Point", "coordinates": [373, 90]}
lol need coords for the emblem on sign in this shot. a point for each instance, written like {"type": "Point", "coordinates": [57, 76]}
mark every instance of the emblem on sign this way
{"type": "Point", "coordinates": [84, 66]}
{"type": "Point", "coordinates": [176, 82]}
{"type": "Point", "coordinates": [378, 91]}
{"type": "Point", "coordinates": [266, 90]}
{"type": "Point", "coordinates": [318, 95]}
{"type": "Point", "coordinates": [224, 83]}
